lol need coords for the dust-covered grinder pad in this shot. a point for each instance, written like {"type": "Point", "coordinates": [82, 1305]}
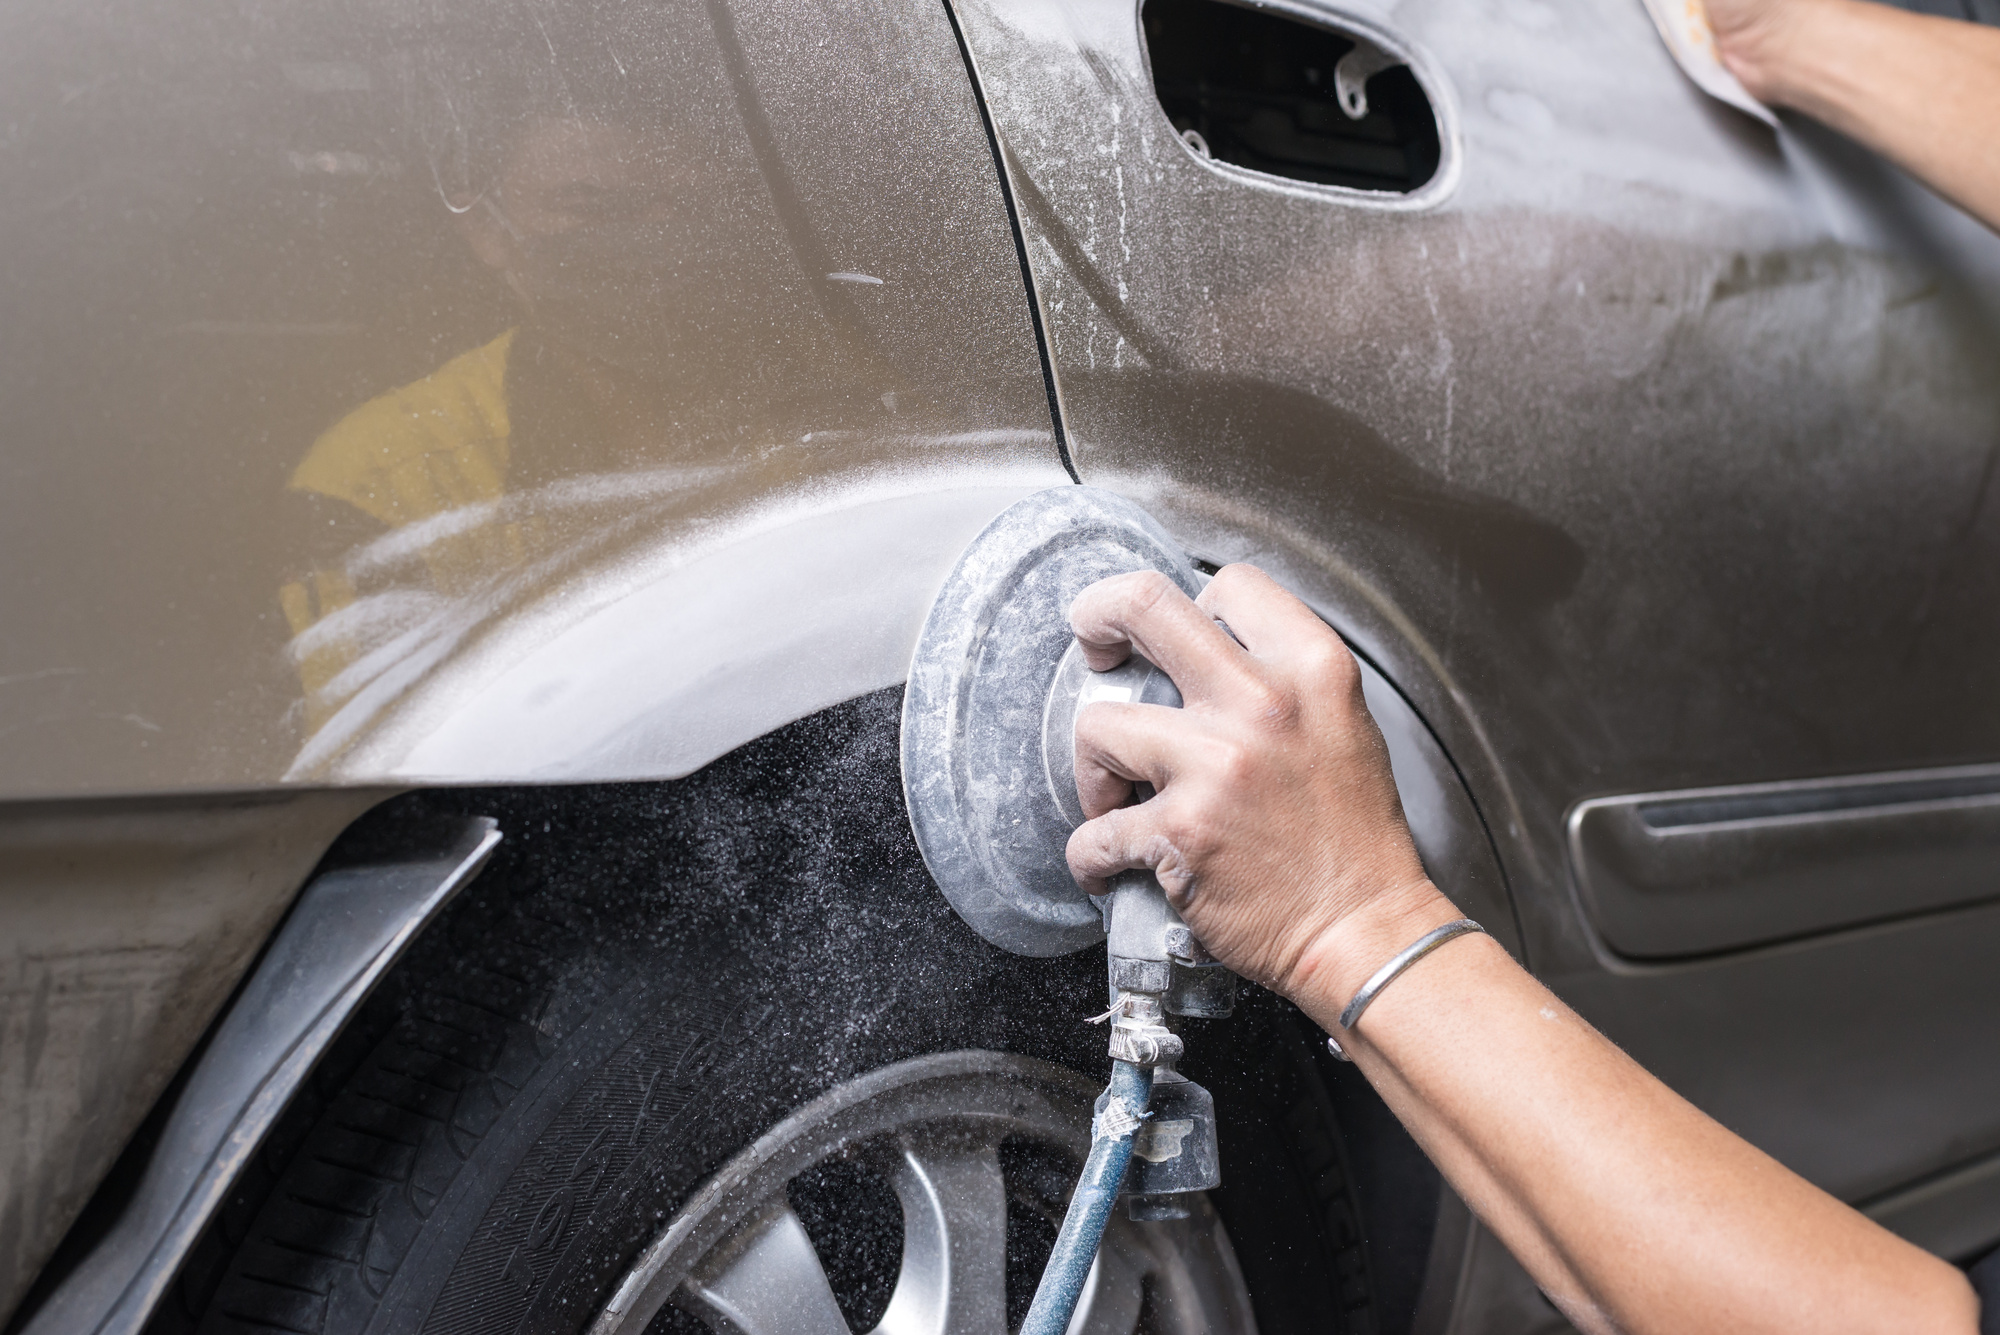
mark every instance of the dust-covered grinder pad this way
{"type": "Point", "coordinates": [980, 795]}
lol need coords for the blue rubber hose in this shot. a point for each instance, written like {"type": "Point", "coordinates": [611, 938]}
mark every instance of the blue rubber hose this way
{"type": "Point", "coordinates": [1111, 1135]}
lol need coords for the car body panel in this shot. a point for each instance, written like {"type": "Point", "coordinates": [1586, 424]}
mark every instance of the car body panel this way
{"type": "Point", "coordinates": [347, 927]}
{"type": "Point", "coordinates": [655, 665]}
{"type": "Point", "coordinates": [127, 924]}
{"type": "Point", "coordinates": [1655, 455]}
{"type": "Point", "coordinates": [356, 349]}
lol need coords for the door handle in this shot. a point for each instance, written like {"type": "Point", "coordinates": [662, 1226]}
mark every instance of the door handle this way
{"type": "Point", "coordinates": [1697, 871]}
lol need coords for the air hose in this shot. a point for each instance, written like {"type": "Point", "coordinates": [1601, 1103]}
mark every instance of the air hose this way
{"type": "Point", "coordinates": [1112, 1133]}
{"type": "Point", "coordinates": [1149, 1109]}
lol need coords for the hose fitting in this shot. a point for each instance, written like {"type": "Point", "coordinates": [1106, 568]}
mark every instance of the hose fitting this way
{"type": "Point", "coordinates": [1139, 1033]}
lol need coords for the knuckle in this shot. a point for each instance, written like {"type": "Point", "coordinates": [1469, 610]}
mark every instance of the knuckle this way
{"type": "Point", "coordinates": [1090, 845]}
{"type": "Point", "coordinates": [1231, 581]}
{"type": "Point", "coordinates": [1328, 662]}
{"type": "Point", "coordinates": [1217, 590]}
{"type": "Point", "coordinates": [1268, 702]}
{"type": "Point", "coordinates": [1099, 603]}
{"type": "Point", "coordinates": [1235, 573]}
{"type": "Point", "coordinates": [1229, 762]}
{"type": "Point", "coordinates": [1147, 589]}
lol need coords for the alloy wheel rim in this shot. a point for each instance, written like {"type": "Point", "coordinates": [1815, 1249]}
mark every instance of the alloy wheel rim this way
{"type": "Point", "coordinates": [739, 1257]}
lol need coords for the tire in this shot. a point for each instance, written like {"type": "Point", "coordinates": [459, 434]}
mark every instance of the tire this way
{"type": "Point", "coordinates": [651, 977]}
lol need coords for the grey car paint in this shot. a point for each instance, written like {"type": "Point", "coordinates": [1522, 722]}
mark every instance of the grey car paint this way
{"type": "Point", "coordinates": [1645, 451]}
{"type": "Point", "coordinates": [1655, 455]}
{"type": "Point", "coordinates": [1707, 870]}
{"type": "Point", "coordinates": [358, 351]}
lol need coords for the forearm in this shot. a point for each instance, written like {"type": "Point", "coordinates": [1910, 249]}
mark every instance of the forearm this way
{"type": "Point", "coordinates": [1922, 91]}
{"type": "Point", "coordinates": [1632, 1209]}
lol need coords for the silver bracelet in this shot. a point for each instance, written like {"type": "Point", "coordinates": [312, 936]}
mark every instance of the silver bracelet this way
{"type": "Point", "coordinates": [1386, 975]}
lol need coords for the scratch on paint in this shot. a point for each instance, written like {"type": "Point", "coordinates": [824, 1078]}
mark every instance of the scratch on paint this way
{"type": "Point", "coordinates": [41, 675]}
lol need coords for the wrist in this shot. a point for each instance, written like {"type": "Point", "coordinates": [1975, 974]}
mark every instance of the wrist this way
{"type": "Point", "coordinates": [1348, 951]}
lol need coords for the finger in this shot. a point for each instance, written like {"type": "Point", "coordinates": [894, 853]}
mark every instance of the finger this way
{"type": "Point", "coordinates": [1122, 840]}
{"type": "Point", "coordinates": [1148, 612]}
{"type": "Point", "coordinates": [1270, 622]}
{"type": "Point", "coordinates": [1119, 743]}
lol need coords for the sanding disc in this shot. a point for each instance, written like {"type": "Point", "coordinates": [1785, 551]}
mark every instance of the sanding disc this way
{"type": "Point", "coordinates": [980, 796]}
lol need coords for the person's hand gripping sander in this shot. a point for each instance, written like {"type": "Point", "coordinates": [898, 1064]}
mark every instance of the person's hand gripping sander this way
{"type": "Point", "coordinates": [1277, 832]}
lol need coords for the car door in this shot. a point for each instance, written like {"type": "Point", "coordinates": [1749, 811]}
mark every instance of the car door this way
{"type": "Point", "coordinates": [1646, 447]}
